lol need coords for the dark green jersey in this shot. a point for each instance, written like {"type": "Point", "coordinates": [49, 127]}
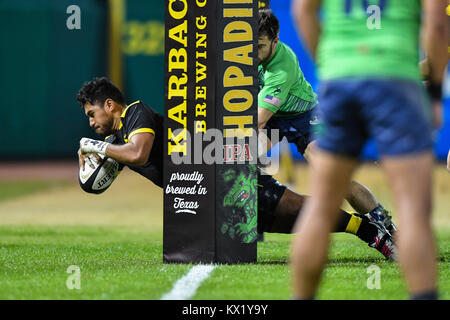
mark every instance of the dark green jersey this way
{"type": "Point", "coordinates": [369, 38]}
{"type": "Point", "coordinates": [137, 118]}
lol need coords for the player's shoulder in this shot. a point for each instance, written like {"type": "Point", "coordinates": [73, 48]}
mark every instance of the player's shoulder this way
{"type": "Point", "coordinates": [138, 108]}
{"type": "Point", "coordinates": [133, 108]}
{"type": "Point", "coordinates": [288, 56]}
{"type": "Point", "coordinates": [111, 138]}
{"type": "Point", "coordinates": [284, 64]}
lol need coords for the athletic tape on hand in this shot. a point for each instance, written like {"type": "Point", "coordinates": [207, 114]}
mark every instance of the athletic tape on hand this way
{"type": "Point", "coordinates": [93, 146]}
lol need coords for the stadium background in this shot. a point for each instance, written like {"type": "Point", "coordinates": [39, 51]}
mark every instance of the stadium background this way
{"type": "Point", "coordinates": [44, 64]}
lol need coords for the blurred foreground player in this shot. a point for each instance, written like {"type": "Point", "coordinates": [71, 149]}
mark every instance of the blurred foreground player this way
{"type": "Point", "coordinates": [286, 102]}
{"type": "Point", "coordinates": [370, 86]}
{"type": "Point", "coordinates": [133, 137]}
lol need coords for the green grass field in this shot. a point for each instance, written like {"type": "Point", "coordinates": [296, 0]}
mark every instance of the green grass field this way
{"type": "Point", "coordinates": [116, 241]}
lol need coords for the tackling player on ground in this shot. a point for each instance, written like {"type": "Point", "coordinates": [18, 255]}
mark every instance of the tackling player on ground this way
{"type": "Point", "coordinates": [133, 137]}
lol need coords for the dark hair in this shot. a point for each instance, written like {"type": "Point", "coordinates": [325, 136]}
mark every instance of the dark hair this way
{"type": "Point", "coordinates": [97, 91]}
{"type": "Point", "coordinates": [268, 24]}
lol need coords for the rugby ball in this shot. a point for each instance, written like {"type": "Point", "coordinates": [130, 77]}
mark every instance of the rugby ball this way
{"type": "Point", "coordinates": [98, 179]}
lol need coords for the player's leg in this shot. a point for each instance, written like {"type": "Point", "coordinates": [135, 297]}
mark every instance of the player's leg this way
{"type": "Point", "coordinates": [402, 132]}
{"type": "Point", "coordinates": [318, 218]}
{"type": "Point", "coordinates": [410, 179]}
{"type": "Point", "coordinates": [341, 133]}
{"type": "Point", "coordinates": [288, 208]}
{"type": "Point", "coordinates": [279, 208]}
{"type": "Point", "coordinates": [360, 197]}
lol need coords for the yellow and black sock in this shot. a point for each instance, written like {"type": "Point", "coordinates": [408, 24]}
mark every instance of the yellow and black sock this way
{"type": "Point", "coordinates": [354, 224]}
{"type": "Point", "coordinates": [358, 226]}
{"type": "Point", "coordinates": [348, 223]}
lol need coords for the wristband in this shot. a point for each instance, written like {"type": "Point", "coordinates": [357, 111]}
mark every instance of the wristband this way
{"type": "Point", "coordinates": [435, 91]}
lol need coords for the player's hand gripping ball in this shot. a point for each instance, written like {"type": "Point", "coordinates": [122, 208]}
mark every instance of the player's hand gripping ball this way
{"type": "Point", "coordinates": [93, 146]}
{"type": "Point", "coordinates": [98, 179]}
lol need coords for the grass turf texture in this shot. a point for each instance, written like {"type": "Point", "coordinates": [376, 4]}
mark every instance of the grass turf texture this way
{"type": "Point", "coordinates": [116, 241]}
{"type": "Point", "coordinates": [126, 263]}
{"type": "Point", "coordinates": [16, 189]}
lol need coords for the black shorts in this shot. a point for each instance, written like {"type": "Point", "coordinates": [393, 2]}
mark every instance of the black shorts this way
{"type": "Point", "coordinates": [270, 192]}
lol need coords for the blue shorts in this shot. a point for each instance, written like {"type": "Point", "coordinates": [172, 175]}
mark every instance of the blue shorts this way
{"type": "Point", "coordinates": [395, 112]}
{"type": "Point", "coordinates": [297, 129]}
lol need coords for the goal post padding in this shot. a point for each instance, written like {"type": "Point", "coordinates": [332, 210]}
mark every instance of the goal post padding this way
{"type": "Point", "coordinates": [210, 207]}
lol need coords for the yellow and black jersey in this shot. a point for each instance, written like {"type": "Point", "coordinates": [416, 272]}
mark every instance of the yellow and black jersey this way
{"type": "Point", "coordinates": [137, 118]}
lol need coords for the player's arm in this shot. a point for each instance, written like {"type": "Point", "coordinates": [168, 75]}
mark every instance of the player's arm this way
{"type": "Point", "coordinates": [270, 99]}
{"type": "Point", "coordinates": [135, 152]}
{"type": "Point", "coordinates": [305, 13]}
{"type": "Point", "coordinates": [423, 64]}
{"type": "Point", "coordinates": [435, 31]}
{"type": "Point", "coordinates": [272, 96]}
{"type": "Point", "coordinates": [263, 116]}
{"type": "Point", "coordinates": [424, 69]}
{"type": "Point", "coordinates": [448, 161]}
{"type": "Point", "coordinates": [264, 143]}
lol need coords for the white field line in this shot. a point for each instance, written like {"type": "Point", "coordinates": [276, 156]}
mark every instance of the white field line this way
{"type": "Point", "coordinates": [186, 286]}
